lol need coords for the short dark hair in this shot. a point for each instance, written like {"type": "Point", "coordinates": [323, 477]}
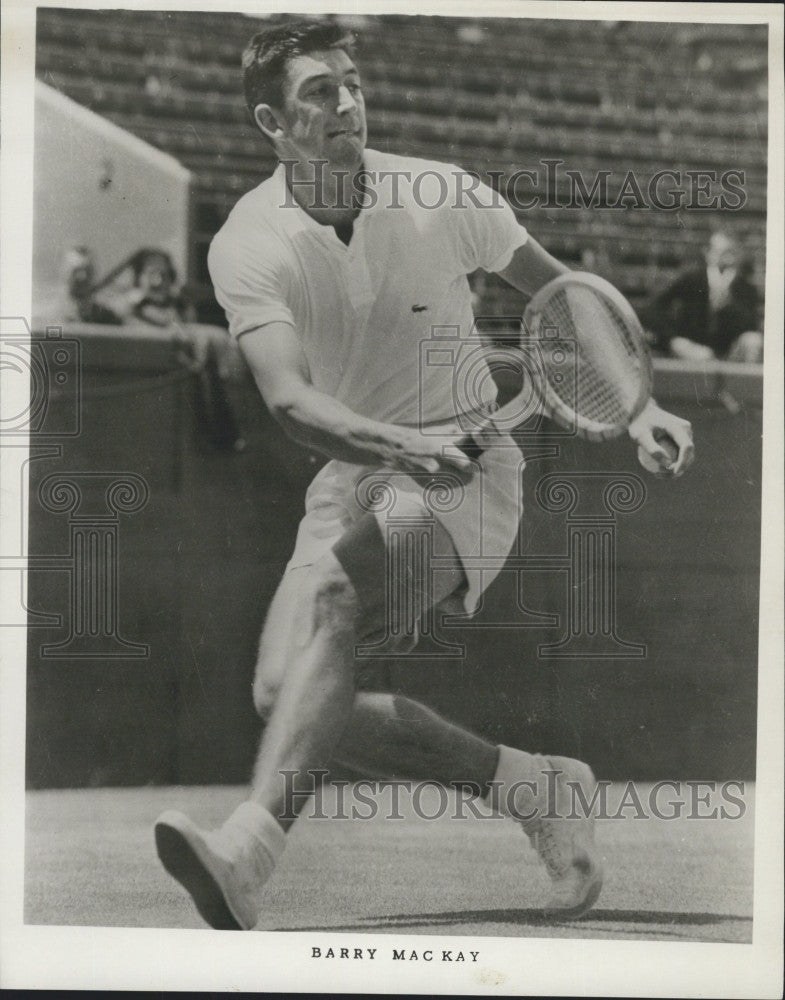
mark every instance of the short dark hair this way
{"type": "Point", "coordinates": [143, 257]}
{"type": "Point", "coordinates": [266, 55]}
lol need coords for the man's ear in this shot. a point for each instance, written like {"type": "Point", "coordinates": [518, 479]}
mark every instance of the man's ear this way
{"type": "Point", "coordinates": [265, 118]}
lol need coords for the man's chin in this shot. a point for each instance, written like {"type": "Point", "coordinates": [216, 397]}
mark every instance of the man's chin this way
{"type": "Point", "coordinates": [347, 150]}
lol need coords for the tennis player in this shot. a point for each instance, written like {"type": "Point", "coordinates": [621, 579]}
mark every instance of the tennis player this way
{"type": "Point", "coordinates": [332, 273]}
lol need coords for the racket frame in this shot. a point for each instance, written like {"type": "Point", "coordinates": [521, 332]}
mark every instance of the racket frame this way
{"type": "Point", "coordinates": [555, 407]}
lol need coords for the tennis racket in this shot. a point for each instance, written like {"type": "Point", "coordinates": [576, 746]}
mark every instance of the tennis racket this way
{"type": "Point", "coordinates": [585, 357]}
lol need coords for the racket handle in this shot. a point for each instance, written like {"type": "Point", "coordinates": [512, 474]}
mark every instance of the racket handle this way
{"type": "Point", "coordinates": [470, 447]}
{"type": "Point", "coordinates": [474, 443]}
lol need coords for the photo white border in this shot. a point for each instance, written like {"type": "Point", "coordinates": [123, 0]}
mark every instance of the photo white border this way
{"type": "Point", "coordinates": [94, 957]}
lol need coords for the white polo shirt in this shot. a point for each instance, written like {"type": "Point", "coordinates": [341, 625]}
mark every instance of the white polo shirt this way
{"type": "Point", "coordinates": [386, 322]}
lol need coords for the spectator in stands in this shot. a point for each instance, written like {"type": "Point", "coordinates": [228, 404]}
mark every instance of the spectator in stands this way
{"type": "Point", "coordinates": [154, 298]}
{"type": "Point", "coordinates": [78, 302]}
{"type": "Point", "coordinates": [710, 311]}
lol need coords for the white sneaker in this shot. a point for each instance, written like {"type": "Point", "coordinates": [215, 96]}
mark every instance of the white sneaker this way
{"type": "Point", "coordinates": [566, 846]}
{"type": "Point", "coordinates": [224, 870]}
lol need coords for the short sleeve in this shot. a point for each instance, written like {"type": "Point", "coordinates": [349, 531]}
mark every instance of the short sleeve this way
{"type": "Point", "coordinates": [483, 226]}
{"type": "Point", "coordinates": [249, 286]}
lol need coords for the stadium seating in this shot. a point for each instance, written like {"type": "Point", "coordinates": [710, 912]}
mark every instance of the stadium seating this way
{"type": "Point", "coordinates": [488, 94]}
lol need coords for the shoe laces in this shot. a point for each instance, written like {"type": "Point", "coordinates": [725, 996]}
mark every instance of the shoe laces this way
{"type": "Point", "coordinates": [547, 845]}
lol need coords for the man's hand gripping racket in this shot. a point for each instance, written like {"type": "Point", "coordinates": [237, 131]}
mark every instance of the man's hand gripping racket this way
{"type": "Point", "coordinates": [592, 374]}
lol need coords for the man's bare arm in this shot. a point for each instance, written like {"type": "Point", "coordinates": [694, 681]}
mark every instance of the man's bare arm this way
{"type": "Point", "coordinates": [532, 267]}
{"type": "Point", "coordinates": [319, 421]}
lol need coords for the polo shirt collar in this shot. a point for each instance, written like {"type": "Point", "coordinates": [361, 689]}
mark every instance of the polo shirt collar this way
{"type": "Point", "coordinates": [371, 159]}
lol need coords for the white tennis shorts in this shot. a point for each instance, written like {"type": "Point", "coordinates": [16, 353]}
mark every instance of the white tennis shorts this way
{"type": "Point", "coordinates": [482, 516]}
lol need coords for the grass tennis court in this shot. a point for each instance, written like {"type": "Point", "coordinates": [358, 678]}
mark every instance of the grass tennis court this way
{"type": "Point", "coordinates": [90, 860]}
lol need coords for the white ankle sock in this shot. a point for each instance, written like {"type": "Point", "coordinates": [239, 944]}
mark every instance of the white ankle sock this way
{"type": "Point", "coordinates": [253, 823]}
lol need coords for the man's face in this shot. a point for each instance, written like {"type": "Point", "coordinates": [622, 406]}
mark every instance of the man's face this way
{"type": "Point", "coordinates": [81, 279]}
{"type": "Point", "coordinates": [722, 253]}
{"type": "Point", "coordinates": [323, 117]}
{"type": "Point", "coordinates": [156, 281]}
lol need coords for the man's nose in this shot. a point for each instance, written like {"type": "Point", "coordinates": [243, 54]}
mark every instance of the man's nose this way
{"type": "Point", "coordinates": [345, 100]}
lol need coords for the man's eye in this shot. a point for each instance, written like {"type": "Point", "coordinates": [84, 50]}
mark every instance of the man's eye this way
{"type": "Point", "coordinates": [353, 88]}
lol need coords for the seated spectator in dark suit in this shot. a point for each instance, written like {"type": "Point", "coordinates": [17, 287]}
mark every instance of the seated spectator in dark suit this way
{"type": "Point", "coordinates": [710, 311]}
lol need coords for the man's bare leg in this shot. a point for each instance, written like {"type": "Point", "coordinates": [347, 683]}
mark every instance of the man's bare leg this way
{"type": "Point", "coordinates": [308, 645]}
{"type": "Point", "coordinates": [391, 736]}
{"type": "Point", "coordinates": [308, 648]}
{"type": "Point", "coordinates": [305, 688]}
{"type": "Point", "coordinates": [313, 703]}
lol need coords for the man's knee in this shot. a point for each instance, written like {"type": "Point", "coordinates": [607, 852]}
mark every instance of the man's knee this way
{"type": "Point", "coordinates": [383, 581]}
{"type": "Point", "coordinates": [264, 697]}
{"type": "Point", "coordinates": [332, 598]}
{"type": "Point", "coordinates": [361, 555]}
{"type": "Point", "coordinates": [310, 599]}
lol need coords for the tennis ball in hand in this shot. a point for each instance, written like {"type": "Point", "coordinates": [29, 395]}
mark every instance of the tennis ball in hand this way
{"type": "Point", "coordinates": [655, 467]}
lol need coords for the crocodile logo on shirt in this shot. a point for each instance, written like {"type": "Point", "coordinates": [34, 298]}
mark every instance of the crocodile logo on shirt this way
{"type": "Point", "coordinates": [419, 309]}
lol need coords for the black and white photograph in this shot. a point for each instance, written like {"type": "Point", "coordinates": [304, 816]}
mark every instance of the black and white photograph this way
{"type": "Point", "coordinates": [392, 543]}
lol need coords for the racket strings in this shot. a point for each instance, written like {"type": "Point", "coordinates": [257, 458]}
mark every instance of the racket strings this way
{"type": "Point", "coordinates": [594, 365]}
